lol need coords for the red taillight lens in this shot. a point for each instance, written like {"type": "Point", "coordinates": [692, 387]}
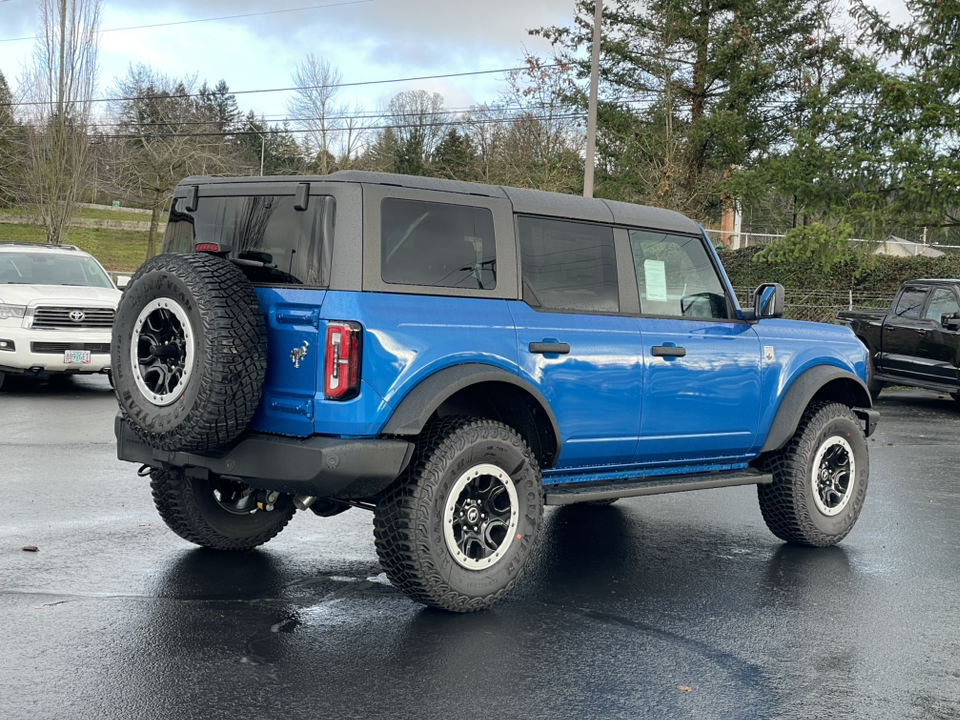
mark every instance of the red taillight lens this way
{"type": "Point", "coordinates": [206, 247]}
{"type": "Point", "coordinates": [341, 367]}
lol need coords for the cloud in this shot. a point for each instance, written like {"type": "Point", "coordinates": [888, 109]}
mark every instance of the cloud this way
{"type": "Point", "coordinates": [374, 40]}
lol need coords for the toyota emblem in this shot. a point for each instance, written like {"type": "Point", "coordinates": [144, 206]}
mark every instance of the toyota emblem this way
{"type": "Point", "coordinates": [77, 315]}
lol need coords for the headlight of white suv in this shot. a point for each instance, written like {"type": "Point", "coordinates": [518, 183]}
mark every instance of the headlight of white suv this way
{"type": "Point", "coordinates": [11, 311]}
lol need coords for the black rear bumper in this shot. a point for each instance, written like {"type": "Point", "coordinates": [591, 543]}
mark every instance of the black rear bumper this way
{"type": "Point", "coordinates": [321, 466]}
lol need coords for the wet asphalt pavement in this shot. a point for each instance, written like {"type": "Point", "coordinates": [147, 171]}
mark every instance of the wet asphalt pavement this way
{"type": "Point", "coordinates": [675, 606]}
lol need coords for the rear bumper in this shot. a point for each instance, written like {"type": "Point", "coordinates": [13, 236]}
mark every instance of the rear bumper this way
{"type": "Point", "coordinates": [321, 466]}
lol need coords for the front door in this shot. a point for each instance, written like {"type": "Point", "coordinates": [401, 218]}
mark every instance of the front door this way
{"type": "Point", "coordinates": [701, 384]}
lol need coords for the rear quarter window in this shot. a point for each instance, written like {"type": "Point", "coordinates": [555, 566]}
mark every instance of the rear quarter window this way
{"type": "Point", "coordinates": [437, 245]}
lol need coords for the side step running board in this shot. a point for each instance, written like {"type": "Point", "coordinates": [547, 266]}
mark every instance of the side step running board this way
{"type": "Point", "coordinates": [570, 494]}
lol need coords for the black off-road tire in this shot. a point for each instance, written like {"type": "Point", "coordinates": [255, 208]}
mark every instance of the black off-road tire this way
{"type": "Point", "coordinates": [3, 376]}
{"type": "Point", "coordinates": [189, 352]}
{"type": "Point", "coordinates": [426, 546]}
{"type": "Point", "coordinates": [819, 478]}
{"type": "Point", "coordinates": [191, 508]}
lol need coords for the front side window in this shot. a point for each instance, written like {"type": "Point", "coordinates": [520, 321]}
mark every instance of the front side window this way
{"type": "Point", "coordinates": [272, 242]}
{"type": "Point", "coordinates": [910, 302]}
{"type": "Point", "coordinates": [437, 245]}
{"type": "Point", "coordinates": [568, 265]}
{"type": "Point", "coordinates": [675, 276]}
{"type": "Point", "coordinates": [943, 302]}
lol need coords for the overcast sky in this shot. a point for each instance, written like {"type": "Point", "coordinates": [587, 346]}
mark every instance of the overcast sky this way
{"type": "Point", "coordinates": [365, 39]}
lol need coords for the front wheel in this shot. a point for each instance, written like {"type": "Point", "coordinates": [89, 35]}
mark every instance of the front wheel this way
{"type": "Point", "coordinates": [819, 478]}
{"type": "Point", "coordinates": [460, 526]}
{"type": "Point", "coordinates": [220, 514]}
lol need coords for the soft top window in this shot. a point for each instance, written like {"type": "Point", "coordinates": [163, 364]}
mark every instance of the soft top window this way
{"type": "Point", "coordinates": [271, 241]}
{"type": "Point", "coordinates": [437, 245]}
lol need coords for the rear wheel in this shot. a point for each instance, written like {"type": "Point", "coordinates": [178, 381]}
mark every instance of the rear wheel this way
{"type": "Point", "coordinates": [220, 514]}
{"type": "Point", "coordinates": [819, 478]}
{"type": "Point", "coordinates": [459, 528]}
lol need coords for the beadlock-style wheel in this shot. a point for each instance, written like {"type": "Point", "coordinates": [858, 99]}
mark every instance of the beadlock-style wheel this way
{"type": "Point", "coordinates": [819, 478]}
{"type": "Point", "coordinates": [459, 527]}
{"type": "Point", "coordinates": [162, 350]}
{"type": "Point", "coordinates": [188, 352]}
{"type": "Point", "coordinates": [481, 516]}
{"type": "Point", "coordinates": [834, 473]}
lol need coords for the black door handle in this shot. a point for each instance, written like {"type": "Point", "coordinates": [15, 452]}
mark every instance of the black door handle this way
{"type": "Point", "coordinates": [557, 348]}
{"type": "Point", "coordinates": [664, 351]}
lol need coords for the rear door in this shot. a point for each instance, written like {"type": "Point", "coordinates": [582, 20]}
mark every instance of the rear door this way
{"type": "Point", "coordinates": [701, 384]}
{"type": "Point", "coordinates": [903, 331]}
{"type": "Point", "coordinates": [573, 342]}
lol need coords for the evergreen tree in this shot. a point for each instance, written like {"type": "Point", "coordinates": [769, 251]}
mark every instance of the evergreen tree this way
{"type": "Point", "coordinates": [694, 93]}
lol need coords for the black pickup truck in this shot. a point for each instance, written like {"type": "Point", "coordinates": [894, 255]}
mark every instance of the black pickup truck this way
{"type": "Point", "coordinates": [917, 341]}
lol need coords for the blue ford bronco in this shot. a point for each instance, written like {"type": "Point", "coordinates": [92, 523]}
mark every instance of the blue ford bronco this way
{"type": "Point", "coordinates": [454, 357]}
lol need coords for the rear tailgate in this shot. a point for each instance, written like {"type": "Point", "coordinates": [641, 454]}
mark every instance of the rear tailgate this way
{"type": "Point", "coordinates": [294, 351]}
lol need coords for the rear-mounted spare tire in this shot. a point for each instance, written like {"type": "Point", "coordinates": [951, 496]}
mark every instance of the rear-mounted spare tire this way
{"type": "Point", "coordinates": [189, 352]}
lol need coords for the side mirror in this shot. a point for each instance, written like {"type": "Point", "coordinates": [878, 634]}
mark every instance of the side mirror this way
{"type": "Point", "coordinates": [768, 301]}
{"type": "Point", "coordinates": [123, 281]}
{"type": "Point", "coordinates": [950, 321]}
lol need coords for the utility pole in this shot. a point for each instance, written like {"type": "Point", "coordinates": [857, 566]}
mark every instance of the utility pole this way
{"type": "Point", "coordinates": [592, 111]}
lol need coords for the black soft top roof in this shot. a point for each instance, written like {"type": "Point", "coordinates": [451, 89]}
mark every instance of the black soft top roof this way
{"type": "Point", "coordinates": [534, 202]}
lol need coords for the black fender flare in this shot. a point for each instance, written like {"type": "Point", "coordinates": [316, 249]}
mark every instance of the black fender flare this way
{"type": "Point", "coordinates": [803, 390]}
{"type": "Point", "coordinates": [413, 412]}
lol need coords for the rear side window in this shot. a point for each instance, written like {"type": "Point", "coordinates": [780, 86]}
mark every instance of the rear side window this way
{"type": "Point", "coordinates": [271, 241]}
{"type": "Point", "coordinates": [910, 302]}
{"type": "Point", "coordinates": [437, 245]}
{"type": "Point", "coordinates": [568, 265]}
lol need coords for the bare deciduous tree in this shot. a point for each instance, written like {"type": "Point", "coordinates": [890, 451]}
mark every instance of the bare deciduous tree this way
{"type": "Point", "coordinates": [334, 132]}
{"type": "Point", "coordinates": [57, 93]}
{"type": "Point", "coordinates": [167, 133]}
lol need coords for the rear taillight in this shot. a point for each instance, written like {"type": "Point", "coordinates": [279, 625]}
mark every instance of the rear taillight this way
{"type": "Point", "coordinates": [341, 368]}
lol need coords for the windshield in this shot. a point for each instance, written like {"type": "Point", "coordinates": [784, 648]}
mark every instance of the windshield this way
{"type": "Point", "coordinates": [43, 268]}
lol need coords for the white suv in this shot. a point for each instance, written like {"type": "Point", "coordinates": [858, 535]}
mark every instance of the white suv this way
{"type": "Point", "coordinates": [57, 305]}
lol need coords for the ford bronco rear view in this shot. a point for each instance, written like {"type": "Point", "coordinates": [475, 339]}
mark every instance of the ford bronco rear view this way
{"type": "Point", "coordinates": [455, 356]}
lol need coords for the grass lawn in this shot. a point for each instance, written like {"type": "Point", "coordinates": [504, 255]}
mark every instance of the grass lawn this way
{"type": "Point", "coordinates": [87, 213]}
{"type": "Point", "coordinates": [118, 250]}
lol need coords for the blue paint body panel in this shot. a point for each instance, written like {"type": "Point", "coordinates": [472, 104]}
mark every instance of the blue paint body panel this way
{"type": "Point", "coordinates": [595, 389]}
{"type": "Point", "coordinates": [622, 409]}
{"type": "Point", "coordinates": [619, 408]}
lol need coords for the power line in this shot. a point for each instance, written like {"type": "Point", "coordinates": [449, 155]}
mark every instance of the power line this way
{"type": "Point", "coordinates": [286, 89]}
{"type": "Point", "coordinates": [202, 20]}
{"type": "Point", "coordinates": [405, 126]}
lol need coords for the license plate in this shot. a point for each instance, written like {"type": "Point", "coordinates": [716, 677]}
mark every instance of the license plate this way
{"type": "Point", "coordinates": [76, 357]}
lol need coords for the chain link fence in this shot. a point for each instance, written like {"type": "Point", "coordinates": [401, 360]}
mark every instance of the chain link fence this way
{"type": "Point", "coordinates": [821, 305]}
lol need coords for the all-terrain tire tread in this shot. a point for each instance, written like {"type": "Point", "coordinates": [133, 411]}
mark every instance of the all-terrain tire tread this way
{"type": "Point", "coordinates": [782, 504]}
{"type": "Point", "coordinates": [233, 364]}
{"type": "Point", "coordinates": [177, 504]}
{"type": "Point", "coordinates": [399, 523]}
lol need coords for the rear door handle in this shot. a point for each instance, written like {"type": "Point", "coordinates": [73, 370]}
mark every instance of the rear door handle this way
{"type": "Point", "coordinates": [558, 348]}
{"type": "Point", "coordinates": [668, 351]}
